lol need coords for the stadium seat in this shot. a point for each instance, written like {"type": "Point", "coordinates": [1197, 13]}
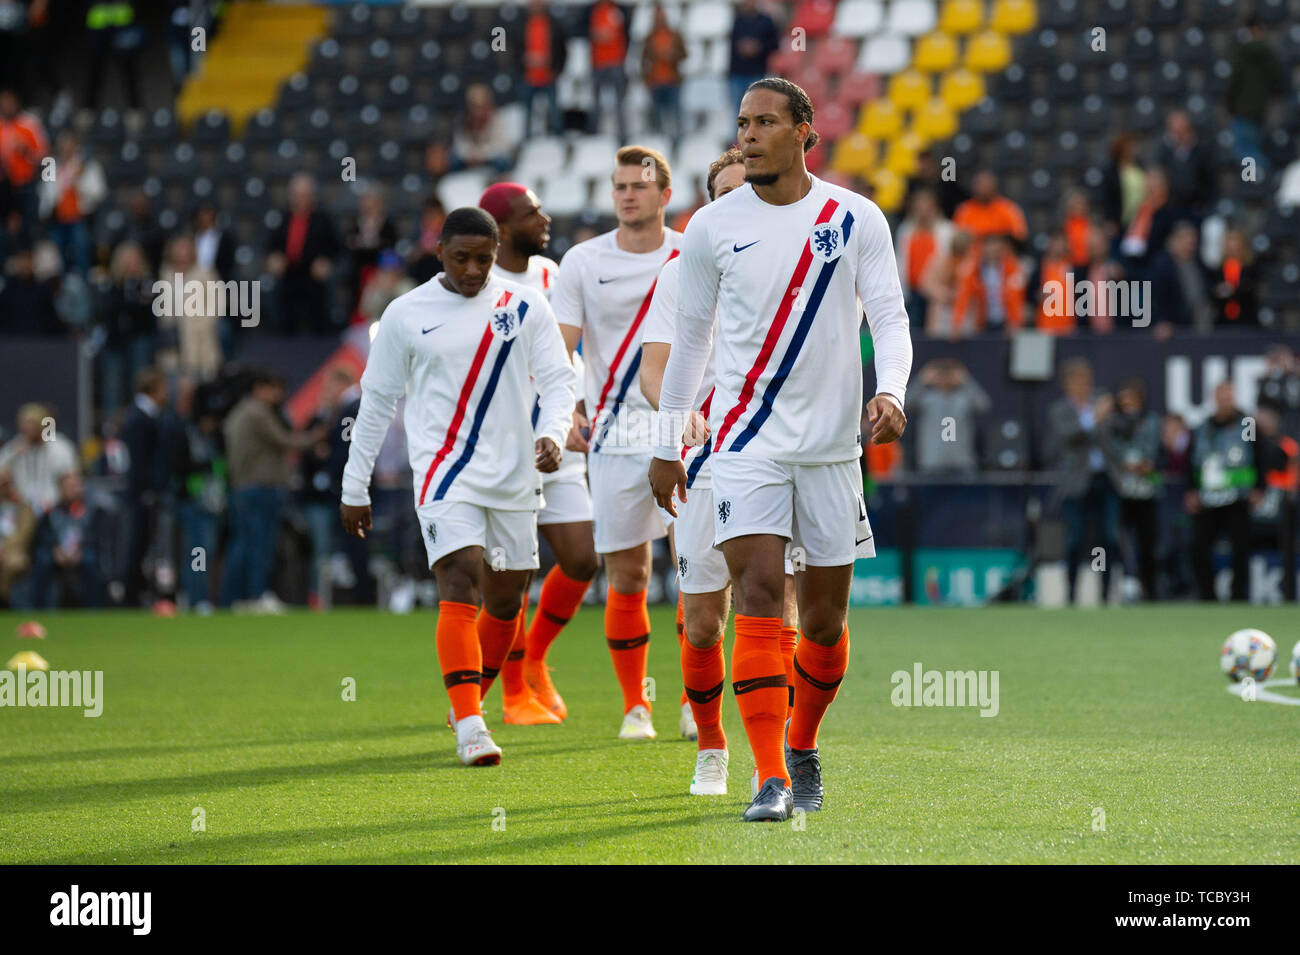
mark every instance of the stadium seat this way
{"type": "Point", "coordinates": [985, 119]}
{"type": "Point", "coordinates": [935, 53]}
{"type": "Point", "coordinates": [593, 157]}
{"type": "Point", "coordinates": [1165, 13]}
{"type": "Point", "coordinates": [160, 128]}
{"type": "Point", "coordinates": [1014, 16]}
{"type": "Point", "coordinates": [1062, 15]}
{"type": "Point", "coordinates": [1271, 11]}
{"type": "Point", "coordinates": [1067, 152]}
{"type": "Point", "coordinates": [858, 18]}
{"type": "Point", "coordinates": [961, 16]}
{"type": "Point", "coordinates": [881, 120]}
{"type": "Point", "coordinates": [410, 22]}
{"type": "Point", "coordinates": [833, 121]}
{"type": "Point", "coordinates": [911, 17]}
{"type": "Point", "coordinates": [541, 156]}
{"type": "Point", "coordinates": [1216, 79]}
{"type": "Point", "coordinates": [463, 188]}
{"type": "Point", "coordinates": [1216, 12]}
{"type": "Point", "coordinates": [1169, 81]}
{"type": "Point", "coordinates": [834, 55]}
{"type": "Point", "coordinates": [1064, 84]}
{"type": "Point", "coordinates": [1092, 119]}
{"type": "Point", "coordinates": [1141, 47]}
{"type": "Point", "coordinates": [1041, 118]}
{"type": "Point", "coordinates": [108, 129]}
{"type": "Point", "coordinates": [962, 89]}
{"type": "Point", "coordinates": [935, 121]}
{"type": "Point", "coordinates": [353, 20]}
{"type": "Point", "coordinates": [884, 53]}
{"type": "Point", "coordinates": [1006, 446]}
{"type": "Point", "coordinates": [909, 89]}
{"type": "Point", "coordinates": [1042, 50]}
{"type": "Point", "coordinates": [889, 188]}
{"type": "Point", "coordinates": [1013, 152]}
{"type": "Point", "coordinates": [786, 60]}
{"type": "Point", "coordinates": [1115, 13]}
{"type": "Point", "coordinates": [1010, 86]}
{"type": "Point", "coordinates": [855, 154]}
{"type": "Point", "coordinates": [457, 23]}
{"type": "Point", "coordinates": [988, 52]}
{"type": "Point", "coordinates": [901, 155]}
{"type": "Point", "coordinates": [813, 16]}
{"type": "Point", "coordinates": [577, 63]}
{"type": "Point", "coordinates": [1193, 48]}
{"type": "Point", "coordinates": [1145, 116]}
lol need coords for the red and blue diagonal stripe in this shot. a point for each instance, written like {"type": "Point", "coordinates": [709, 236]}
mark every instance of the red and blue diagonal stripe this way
{"type": "Point", "coordinates": [462, 406]}
{"type": "Point", "coordinates": [706, 448]}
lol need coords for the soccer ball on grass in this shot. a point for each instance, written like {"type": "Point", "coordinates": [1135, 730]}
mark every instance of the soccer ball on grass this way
{"type": "Point", "coordinates": [1248, 653]}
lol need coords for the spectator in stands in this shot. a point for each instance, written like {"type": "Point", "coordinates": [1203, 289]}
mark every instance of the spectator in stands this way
{"type": "Point", "coordinates": [1078, 227]}
{"type": "Point", "coordinates": [1180, 286]}
{"type": "Point", "coordinates": [754, 39]}
{"type": "Point", "coordinates": [1076, 447]}
{"type": "Point", "coordinates": [201, 498]}
{"type": "Point", "coordinates": [1151, 225]}
{"type": "Point", "coordinates": [1049, 288]}
{"type": "Point", "coordinates": [302, 251]}
{"type": "Point", "coordinates": [190, 343]}
{"type": "Point", "coordinates": [372, 232]}
{"type": "Point", "coordinates": [1102, 268]}
{"type": "Point", "coordinates": [70, 199]}
{"type": "Point", "coordinates": [114, 36]}
{"type": "Point", "coordinates": [1174, 440]}
{"type": "Point", "coordinates": [257, 441]}
{"type": "Point", "coordinates": [607, 31]}
{"type": "Point", "coordinates": [65, 555]}
{"type": "Point", "coordinates": [922, 235]}
{"type": "Point", "coordinates": [1236, 284]}
{"type": "Point", "coordinates": [387, 281]}
{"type": "Point", "coordinates": [214, 247]}
{"type": "Point", "coordinates": [943, 184]}
{"type": "Point", "coordinates": [1133, 435]}
{"type": "Point", "coordinates": [147, 478]}
{"type": "Point", "coordinates": [13, 21]}
{"type": "Point", "coordinates": [140, 225]}
{"type": "Point", "coordinates": [1189, 164]}
{"type": "Point", "coordinates": [481, 138]}
{"type": "Point", "coordinates": [946, 412]}
{"type": "Point", "coordinates": [23, 144]}
{"type": "Point", "coordinates": [17, 531]}
{"type": "Point", "coordinates": [320, 490]}
{"type": "Point", "coordinates": [545, 56]}
{"type": "Point", "coordinates": [1279, 388]}
{"type": "Point", "coordinates": [986, 212]}
{"type": "Point", "coordinates": [1224, 481]}
{"type": "Point", "coordinates": [940, 282]}
{"type": "Point", "coordinates": [423, 263]}
{"type": "Point", "coordinates": [1256, 78]}
{"type": "Point", "coordinates": [661, 58]}
{"type": "Point", "coordinates": [1123, 184]}
{"type": "Point", "coordinates": [991, 290]}
{"type": "Point", "coordinates": [26, 303]}
{"type": "Point", "coordinates": [130, 326]}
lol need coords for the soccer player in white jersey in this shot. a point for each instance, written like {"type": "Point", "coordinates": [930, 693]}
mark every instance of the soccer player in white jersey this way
{"type": "Point", "coordinates": [529, 695]}
{"type": "Point", "coordinates": [703, 580]}
{"type": "Point", "coordinates": [786, 261]}
{"type": "Point", "coordinates": [461, 348]}
{"type": "Point", "coordinates": [602, 297]}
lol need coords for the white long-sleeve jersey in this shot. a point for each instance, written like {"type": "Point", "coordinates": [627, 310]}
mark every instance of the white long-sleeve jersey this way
{"type": "Point", "coordinates": [464, 365]}
{"type": "Point", "coordinates": [605, 292]}
{"type": "Point", "coordinates": [786, 282]}
{"type": "Point", "coordinates": [660, 326]}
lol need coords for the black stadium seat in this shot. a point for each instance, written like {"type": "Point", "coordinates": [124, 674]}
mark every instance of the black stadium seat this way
{"type": "Point", "coordinates": [1116, 13]}
{"type": "Point", "coordinates": [1165, 13]}
{"type": "Point", "coordinates": [1141, 47]}
{"type": "Point", "coordinates": [1062, 15]}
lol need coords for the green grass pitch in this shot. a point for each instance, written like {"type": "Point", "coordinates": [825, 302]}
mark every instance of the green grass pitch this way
{"type": "Point", "coordinates": [1122, 711]}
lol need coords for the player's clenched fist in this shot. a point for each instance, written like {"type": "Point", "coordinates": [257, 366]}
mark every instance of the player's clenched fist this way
{"type": "Point", "coordinates": [665, 478]}
{"type": "Point", "coordinates": [887, 420]}
{"type": "Point", "coordinates": [548, 455]}
{"type": "Point", "coordinates": [356, 519]}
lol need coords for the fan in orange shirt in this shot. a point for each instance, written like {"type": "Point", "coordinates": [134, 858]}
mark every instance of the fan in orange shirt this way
{"type": "Point", "coordinates": [987, 213]}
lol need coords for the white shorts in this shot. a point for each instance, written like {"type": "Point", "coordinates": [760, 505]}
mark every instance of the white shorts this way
{"type": "Point", "coordinates": [701, 568]}
{"type": "Point", "coordinates": [817, 507]}
{"type": "Point", "coordinates": [508, 538]}
{"type": "Point", "coordinates": [624, 512]}
{"type": "Point", "coordinates": [565, 499]}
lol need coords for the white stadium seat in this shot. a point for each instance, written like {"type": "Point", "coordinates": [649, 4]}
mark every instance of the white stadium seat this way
{"type": "Point", "coordinates": [700, 93]}
{"type": "Point", "coordinates": [858, 18]}
{"type": "Point", "coordinates": [578, 62]}
{"type": "Point", "coordinates": [593, 157]}
{"type": "Point", "coordinates": [462, 188]}
{"type": "Point", "coordinates": [884, 54]}
{"type": "Point", "coordinates": [707, 19]}
{"type": "Point", "coordinates": [564, 196]}
{"type": "Point", "coordinates": [541, 156]}
{"type": "Point", "coordinates": [696, 62]}
{"type": "Point", "coordinates": [912, 17]}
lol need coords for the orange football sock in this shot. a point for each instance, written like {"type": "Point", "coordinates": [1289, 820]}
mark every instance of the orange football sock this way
{"type": "Point", "coordinates": [704, 672]}
{"type": "Point", "coordinates": [681, 635]}
{"type": "Point", "coordinates": [758, 680]}
{"type": "Point", "coordinates": [627, 631]}
{"type": "Point", "coordinates": [818, 672]}
{"type": "Point", "coordinates": [512, 671]}
{"type": "Point", "coordinates": [494, 637]}
{"type": "Point", "coordinates": [789, 637]}
{"type": "Point", "coordinates": [560, 600]}
{"type": "Point", "coordinates": [459, 656]}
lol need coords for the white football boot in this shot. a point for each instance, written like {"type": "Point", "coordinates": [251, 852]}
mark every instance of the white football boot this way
{"type": "Point", "coordinates": [710, 773]}
{"type": "Point", "coordinates": [474, 745]}
{"type": "Point", "coordinates": [637, 725]}
{"type": "Point", "coordinates": [687, 724]}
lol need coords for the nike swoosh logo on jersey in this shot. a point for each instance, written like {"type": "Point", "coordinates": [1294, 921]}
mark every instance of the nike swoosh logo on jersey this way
{"type": "Point", "coordinates": [742, 248]}
{"type": "Point", "coordinates": [425, 331]}
{"type": "Point", "coordinates": [864, 540]}
{"type": "Point", "coordinates": [614, 279]}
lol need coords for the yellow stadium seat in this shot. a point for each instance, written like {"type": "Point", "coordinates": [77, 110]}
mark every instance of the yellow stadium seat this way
{"type": "Point", "coordinates": [881, 119]}
{"type": "Point", "coordinates": [888, 187]}
{"type": "Point", "coordinates": [988, 52]}
{"type": "Point", "coordinates": [1014, 16]}
{"type": "Point", "coordinates": [961, 16]}
{"type": "Point", "coordinates": [935, 120]}
{"type": "Point", "coordinates": [961, 89]}
{"type": "Point", "coordinates": [909, 89]}
{"type": "Point", "coordinates": [900, 159]}
{"type": "Point", "coordinates": [855, 155]}
{"type": "Point", "coordinates": [935, 52]}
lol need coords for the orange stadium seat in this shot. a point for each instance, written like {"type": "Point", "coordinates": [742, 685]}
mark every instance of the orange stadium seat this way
{"type": "Point", "coordinates": [988, 52]}
{"type": "Point", "coordinates": [1014, 16]}
{"type": "Point", "coordinates": [910, 89]}
{"type": "Point", "coordinates": [961, 89]}
{"type": "Point", "coordinates": [961, 16]}
{"type": "Point", "coordinates": [935, 52]}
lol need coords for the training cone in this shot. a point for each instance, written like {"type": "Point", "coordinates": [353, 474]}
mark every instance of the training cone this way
{"type": "Point", "coordinates": [30, 630]}
{"type": "Point", "coordinates": [164, 608]}
{"type": "Point", "coordinates": [29, 659]}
